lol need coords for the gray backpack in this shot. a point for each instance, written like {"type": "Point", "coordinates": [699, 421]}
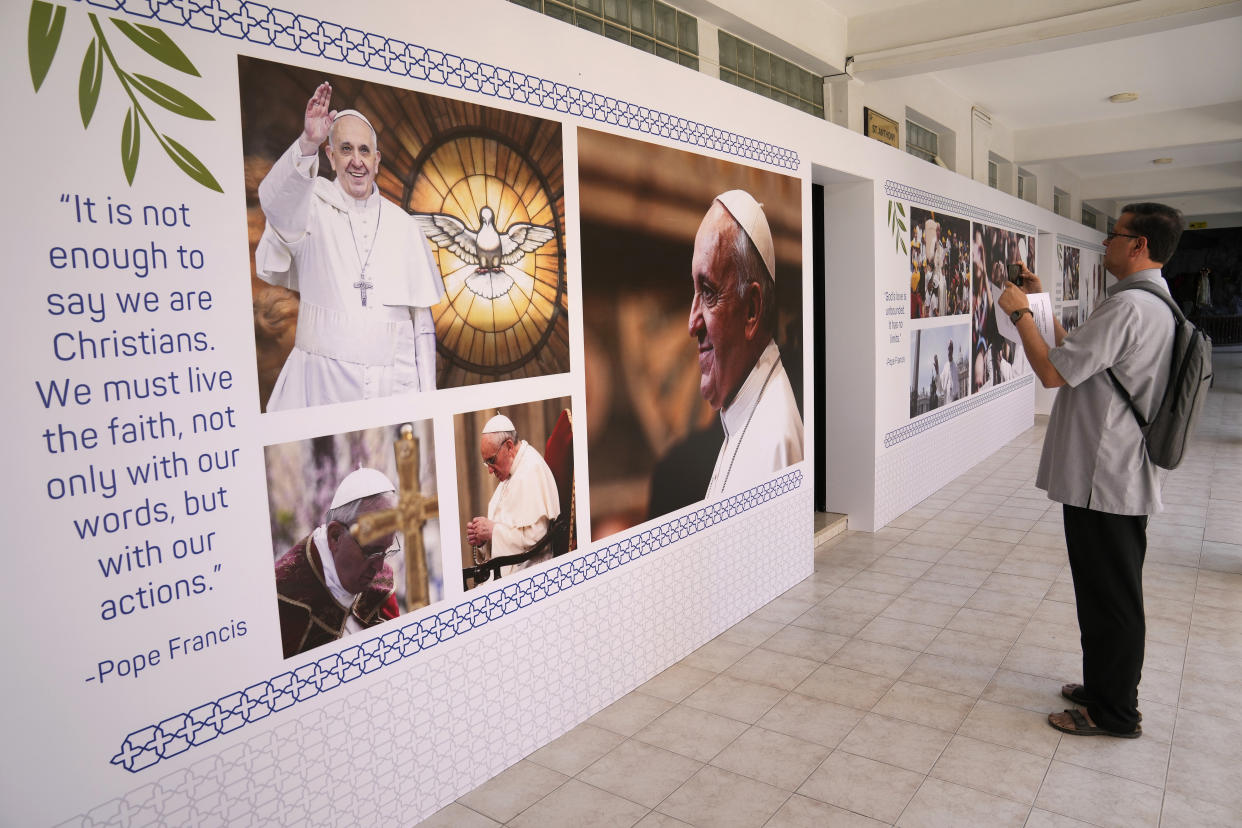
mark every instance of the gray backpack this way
{"type": "Point", "coordinates": [1189, 377]}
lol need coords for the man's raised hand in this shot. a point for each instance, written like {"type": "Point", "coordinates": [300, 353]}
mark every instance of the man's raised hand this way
{"type": "Point", "coordinates": [318, 121]}
{"type": "Point", "coordinates": [1030, 282]}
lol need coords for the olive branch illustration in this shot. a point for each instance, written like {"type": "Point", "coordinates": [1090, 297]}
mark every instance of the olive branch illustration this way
{"type": "Point", "coordinates": [897, 225]}
{"type": "Point", "coordinates": [47, 23]}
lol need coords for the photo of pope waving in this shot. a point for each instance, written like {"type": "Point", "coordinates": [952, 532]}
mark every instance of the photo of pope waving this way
{"type": "Point", "coordinates": [363, 271]}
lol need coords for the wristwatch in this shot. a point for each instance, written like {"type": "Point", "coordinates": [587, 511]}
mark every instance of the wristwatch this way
{"type": "Point", "coordinates": [1016, 315]}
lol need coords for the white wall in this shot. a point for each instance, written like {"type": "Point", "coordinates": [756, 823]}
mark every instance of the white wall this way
{"type": "Point", "coordinates": [972, 144]}
{"type": "Point", "coordinates": [850, 357]}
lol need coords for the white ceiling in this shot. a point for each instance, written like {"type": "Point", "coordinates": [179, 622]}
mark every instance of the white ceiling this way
{"type": "Point", "coordinates": [1185, 155]}
{"type": "Point", "coordinates": [1171, 70]}
{"type": "Point", "coordinates": [1045, 71]}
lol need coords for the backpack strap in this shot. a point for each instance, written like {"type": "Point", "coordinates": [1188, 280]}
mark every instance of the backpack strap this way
{"type": "Point", "coordinates": [1178, 319]}
{"type": "Point", "coordinates": [1125, 395]}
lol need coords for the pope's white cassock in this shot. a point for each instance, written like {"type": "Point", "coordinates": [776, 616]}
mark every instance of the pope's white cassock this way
{"type": "Point", "coordinates": [762, 426]}
{"type": "Point", "coordinates": [950, 388]}
{"type": "Point", "coordinates": [522, 507]}
{"type": "Point", "coordinates": [366, 280]}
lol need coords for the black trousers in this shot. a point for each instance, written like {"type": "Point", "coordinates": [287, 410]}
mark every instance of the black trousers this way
{"type": "Point", "coordinates": [1106, 553]}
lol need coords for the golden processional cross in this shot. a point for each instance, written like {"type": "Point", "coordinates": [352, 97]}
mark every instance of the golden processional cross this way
{"type": "Point", "coordinates": [412, 511]}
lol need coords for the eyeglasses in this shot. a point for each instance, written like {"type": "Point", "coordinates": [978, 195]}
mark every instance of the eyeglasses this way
{"type": "Point", "coordinates": [1110, 236]}
{"type": "Point", "coordinates": [390, 552]}
{"type": "Point", "coordinates": [491, 461]}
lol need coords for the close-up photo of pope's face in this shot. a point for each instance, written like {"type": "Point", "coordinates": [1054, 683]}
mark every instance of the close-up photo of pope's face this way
{"type": "Point", "coordinates": [726, 311]}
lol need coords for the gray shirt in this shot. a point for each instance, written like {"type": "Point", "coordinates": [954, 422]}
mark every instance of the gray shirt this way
{"type": "Point", "coordinates": [1094, 455]}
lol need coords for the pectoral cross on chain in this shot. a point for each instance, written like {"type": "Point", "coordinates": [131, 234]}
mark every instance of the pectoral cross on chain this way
{"type": "Point", "coordinates": [413, 510]}
{"type": "Point", "coordinates": [363, 285]}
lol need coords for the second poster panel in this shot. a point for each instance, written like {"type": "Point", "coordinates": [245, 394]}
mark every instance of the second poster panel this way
{"type": "Point", "coordinates": [692, 306]}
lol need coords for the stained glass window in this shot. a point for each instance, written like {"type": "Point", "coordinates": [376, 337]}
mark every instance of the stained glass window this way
{"type": "Point", "coordinates": [494, 317]}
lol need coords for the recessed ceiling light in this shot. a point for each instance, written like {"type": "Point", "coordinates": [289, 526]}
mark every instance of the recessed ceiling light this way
{"type": "Point", "coordinates": [1123, 97]}
{"type": "Point", "coordinates": [1162, 160]}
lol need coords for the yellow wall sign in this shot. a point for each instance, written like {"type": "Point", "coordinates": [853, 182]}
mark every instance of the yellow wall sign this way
{"type": "Point", "coordinates": [1197, 225]}
{"type": "Point", "coordinates": [881, 128]}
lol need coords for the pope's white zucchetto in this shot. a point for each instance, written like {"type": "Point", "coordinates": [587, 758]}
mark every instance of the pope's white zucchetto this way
{"type": "Point", "coordinates": [356, 114]}
{"type": "Point", "coordinates": [748, 213]}
{"type": "Point", "coordinates": [498, 424]}
{"type": "Point", "coordinates": [361, 483]}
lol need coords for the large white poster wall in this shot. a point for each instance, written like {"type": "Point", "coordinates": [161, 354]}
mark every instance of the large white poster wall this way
{"type": "Point", "coordinates": [953, 388]}
{"type": "Point", "coordinates": [329, 500]}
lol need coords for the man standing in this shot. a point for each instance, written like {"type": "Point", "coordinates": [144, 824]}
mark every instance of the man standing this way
{"type": "Point", "coordinates": [523, 505]}
{"type": "Point", "coordinates": [327, 586]}
{"type": "Point", "coordinates": [1095, 463]}
{"type": "Point", "coordinates": [363, 270]}
{"type": "Point", "coordinates": [950, 383]}
{"type": "Point", "coordinates": [733, 317]}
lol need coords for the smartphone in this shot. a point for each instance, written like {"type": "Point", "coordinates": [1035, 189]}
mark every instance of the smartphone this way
{"type": "Point", "coordinates": [1015, 274]}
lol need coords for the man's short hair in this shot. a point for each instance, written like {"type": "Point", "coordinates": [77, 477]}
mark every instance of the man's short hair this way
{"type": "Point", "coordinates": [1160, 224]}
{"type": "Point", "coordinates": [750, 268]}
{"type": "Point", "coordinates": [347, 513]}
{"type": "Point", "coordinates": [503, 435]}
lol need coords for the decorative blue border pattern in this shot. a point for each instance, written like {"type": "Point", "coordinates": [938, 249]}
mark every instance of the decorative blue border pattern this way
{"type": "Point", "coordinates": [1094, 247]}
{"type": "Point", "coordinates": [176, 734]}
{"type": "Point", "coordinates": [943, 415]}
{"type": "Point", "coordinates": [905, 192]}
{"type": "Point", "coordinates": [268, 26]}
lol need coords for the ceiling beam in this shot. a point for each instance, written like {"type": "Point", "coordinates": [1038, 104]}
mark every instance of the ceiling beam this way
{"type": "Point", "coordinates": [1206, 124]}
{"type": "Point", "coordinates": [948, 34]}
{"type": "Point", "coordinates": [1191, 204]}
{"type": "Point", "coordinates": [1170, 180]}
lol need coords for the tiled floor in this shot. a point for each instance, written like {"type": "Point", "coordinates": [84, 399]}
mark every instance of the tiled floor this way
{"type": "Point", "coordinates": [907, 681]}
